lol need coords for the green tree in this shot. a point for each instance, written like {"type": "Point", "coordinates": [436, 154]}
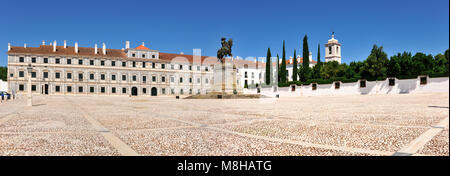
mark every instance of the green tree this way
{"type": "Point", "coordinates": [393, 69]}
{"type": "Point", "coordinates": [439, 65]}
{"type": "Point", "coordinates": [294, 66]}
{"type": "Point", "coordinates": [283, 71]}
{"type": "Point", "coordinates": [316, 68]}
{"type": "Point", "coordinates": [268, 66]}
{"type": "Point", "coordinates": [3, 73]}
{"type": "Point", "coordinates": [423, 64]}
{"type": "Point", "coordinates": [333, 69]}
{"type": "Point", "coordinates": [406, 65]}
{"type": "Point", "coordinates": [375, 65]}
{"type": "Point", "coordinates": [306, 71]}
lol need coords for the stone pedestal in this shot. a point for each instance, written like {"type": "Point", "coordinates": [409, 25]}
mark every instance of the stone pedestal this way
{"type": "Point", "coordinates": [225, 83]}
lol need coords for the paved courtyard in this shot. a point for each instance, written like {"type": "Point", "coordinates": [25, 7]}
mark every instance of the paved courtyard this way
{"type": "Point", "coordinates": [407, 124]}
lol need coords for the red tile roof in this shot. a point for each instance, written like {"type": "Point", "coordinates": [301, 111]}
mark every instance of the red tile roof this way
{"type": "Point", "coordinates": [142, 47]}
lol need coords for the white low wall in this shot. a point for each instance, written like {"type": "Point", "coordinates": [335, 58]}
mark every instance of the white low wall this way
{"type": "Point", "coordinates": [372, 87]}
{"type": "Point", "coordinates": [3, 85]}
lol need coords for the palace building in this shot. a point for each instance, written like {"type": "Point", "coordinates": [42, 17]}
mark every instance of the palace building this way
{"type": "Point", "coordinates": [128, 71]}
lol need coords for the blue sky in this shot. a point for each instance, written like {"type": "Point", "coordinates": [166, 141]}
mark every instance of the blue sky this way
{"type": "Point", "coordinates": [179, 26]}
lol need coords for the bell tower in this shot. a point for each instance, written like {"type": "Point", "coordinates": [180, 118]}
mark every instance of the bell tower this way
{"type": "Point", "coordinates": [333, 50]}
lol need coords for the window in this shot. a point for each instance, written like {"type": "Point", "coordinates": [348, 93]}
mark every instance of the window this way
{"type": "Point", "coordinates": [124, 90]}
{"type": "Point", "coordinates": [69, 88]}
{"type": "Point", "coordinates": [21, 87]}
{"type": "Point", "coordinates": [102, 89]}
{"type": "Point", "coordinates": [57, 61]}
{"type": "Point", "coordinates": [80, 89]}
{"type": "Point", "coordinates": [190, 91]}
{"type": "Point", "coordinates": [102, 76]}
{"type": "Point", "coordinates": [198, 68]}
{"type": "Point", "coordinates": [172, 91]}
{"type": "Point", "coordinates": [124, 77]}
{"type": "Point", "coordinates": [337, 50]}
{"type": "Point", "coordinates": [21, 74]}
{"type": "Point", "coordinates": [33, 74]}
{"type": "Point", "coordinates": [329, 50]}
{"type": "Point", "coordinates": [253, 74]}
{"type": "Point", "coordinates": [391, 82]}
{"type": "Point", "coordinates": [57, 75]}
{"type": "Point", "coordinates": [163, 90]}
{"type": "Point", "coordinates": [190, 80]}
{"type": "Point", "coordinates": [69, 61]}
{"type": "Point", "coordinates": [45, 60]}
{"type": "Point", "coordinates": [21, 59]}
{"type": "Point", "coordinates": [144, 79]}
{"type": "Point", "coordinates": [153, 56]}
{"type": "Point", "coordinates": [69, 75]}
{"type": "Point", "coordinates": [153, 78]}
{"type": "Point", "coordinates": [181, 91]}
{"type": "Point", "coordinates": [113, 90]}
{"type": "Point", "coordinates": [113, 77]}
{"type": "Point", "coordinates": [134, 77]}
{"type": "Point", "coordinates": [91, 62]}
{"type": "Point", "coordinates": [57, 88]}
{"type": "Point", "coordinates": [190, 67]}
{"type": "Point", "coordinates": [198, 80]}
{"type": "Point", "coordinates": [133, 55]}
{"type": "Point", "coordinates": [245, 75]}
{"type": "Point", "coordinates": [124, 63]}
{"type": "Point", "coordinates": [337, 85]}
{"type": "Point", "coordinates": [143, 56]}
{"type": "Point", "coordinates": [80, 61]}
{"type": "Point", "coordinates": [153, 65]}
{"type": "Point", "coordinates": [181, 67]}
{"type": "Point", "coordinates": [134, 64]}
{"type": "Point", "coordinates": [362, 83]}
{"type": "Point", "coordinates": [80, 76]}
{"type": "Point", "coordinates": [206, 68]}
{"type": "Point", "coordinates": [144, 90]}
{"type": "Point", "coordinates": [113, 63]}
{"type": "Point", "coordinates": [91, 76]}
{"type": "Point", "coordinates": [172, 79]}
{"type": "Point", "coordinates": [423, 80]}
{"type": "Point", "coordinates": [163, 79]}
{"type": "Point", "coordinates": [206, 80]}
{"type": "Point", "coordinates": [91, 89]}
{"type": "Point", "coordinates": [143, 64]}
{"type": "Point", "coordinates": [172, 66]}
{"type": "Point", "coordinates": [33, 88]}
{"type": "Point", "coordinates": [33, 60]}
{"type": "Point", "coordinates": [181, 80]}
{"type": "Point", "coordinates": [163, 66]}
{"type": "Point", "coordinates": [102, 63]}
{"type": "Point", "coordinates": [314, 86]}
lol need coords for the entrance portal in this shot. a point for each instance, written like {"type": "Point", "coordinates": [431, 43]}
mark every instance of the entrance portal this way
{"type": "Point", "coordinates": [134, 91]}
{"type": "Point", "coordinates": [46, 89]}
{"type": "Point", "coordinates": [154, 92]}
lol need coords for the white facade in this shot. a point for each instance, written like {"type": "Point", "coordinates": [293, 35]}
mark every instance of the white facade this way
{"type": "Point", "coordinates": [333, 50]}
{"type": "Point", "coordinates": [3, 85]}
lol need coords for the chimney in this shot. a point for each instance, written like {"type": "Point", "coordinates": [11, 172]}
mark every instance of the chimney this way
{"type": "Point", "coordinates": [291, 59]}
{"type": "Point", "coordinates": [143, 44]}
{"type": "Point", "coordinates": [95, 51]}
{"type": "Point", "coordinates": [180, 52]}
{"type": "Point", "coordinates": [76, 47]}
{"type": "Point", "coordinates": [25, 45]}
{"type": "Point", "coordinates": [9, 46]}
{"type": "Point", "coordinates": [104, 49]}
{"type": "Point", "coordinates": [43, 42]}
{"type": "Point", "coordinates": [255, 60]}
{"type": "Point", "coordinates": [310, 56]}
{"type": "Point", "coordinates": [127, 44]}
{"type": "Point", "coordinates": [54, 46]}
{"type": "Point", "coordinates": [65, 44]}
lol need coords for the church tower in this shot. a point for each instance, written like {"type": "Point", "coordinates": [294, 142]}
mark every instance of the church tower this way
{"type": "Point", "coordinates": [333, 50]}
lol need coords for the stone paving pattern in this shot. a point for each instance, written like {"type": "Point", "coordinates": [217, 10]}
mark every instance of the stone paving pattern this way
{"type": "Point", "coordinates": [303, 126]}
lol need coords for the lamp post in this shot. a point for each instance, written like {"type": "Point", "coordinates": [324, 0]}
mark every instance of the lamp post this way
{"type": "Point", "coordinates": [29, 101]}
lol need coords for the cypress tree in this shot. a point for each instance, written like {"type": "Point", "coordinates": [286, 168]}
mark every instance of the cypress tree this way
{"type": "Point", "coordinates": [268, 65]}
{"type": "Point", "coordinates": [294, 67]}
{"type": "Point", "coordinates": [306, 70]}
{"type": "Point", "coordinates": [283, 71]}
{"type": "Point", "coordinates": [316, 68]}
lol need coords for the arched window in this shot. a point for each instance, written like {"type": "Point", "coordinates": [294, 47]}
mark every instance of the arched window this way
{"type": "Point", "coordinates": [337, 50]}
{"type": "Point", "coordinates": [329, 50]}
